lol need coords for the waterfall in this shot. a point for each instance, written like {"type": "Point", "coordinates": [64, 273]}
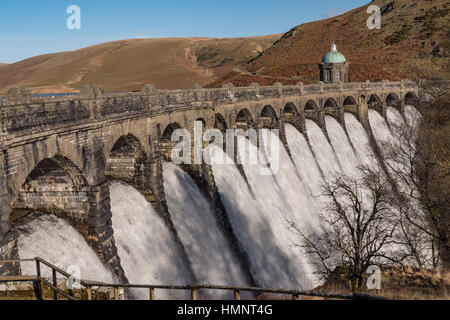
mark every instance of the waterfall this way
{"type": "Point", "coordinates": [359, 139]}
{"type": "Point", "coordinates": [323, 151]}
{"type": "Point", "coordinates": [207, 247]}
{"type": "Point", "coordinates": [260, 222]}
{"type": "Point", "coordinates": [304, 161]}
{"type": "Point", "coordinates": [380, 128]}
{"type": "Point", "coordinates": [148, 251]}
{"type": "Point", "coordinates": [55, 241]}
{"type": "Point", "coordinates": [342, 147]}
{"type": "Point", "coordinates": [259, 208]}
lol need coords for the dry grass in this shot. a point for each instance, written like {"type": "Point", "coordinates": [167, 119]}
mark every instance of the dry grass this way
{"type": "Point", "coordinates": [129, 64]}
{"type": "Point", "coordinates": [408, 35]}
{"type": "Point", "coordinates": [399, 284]}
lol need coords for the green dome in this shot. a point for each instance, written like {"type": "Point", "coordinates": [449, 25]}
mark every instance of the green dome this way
{"type": "Point", "coordinates": [333, 56]}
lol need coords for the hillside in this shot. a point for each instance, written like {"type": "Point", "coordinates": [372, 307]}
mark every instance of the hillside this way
{"type": "Point", "coordinates": [129, 64]}
{"type": "Point", "coordinates": [412, 33]}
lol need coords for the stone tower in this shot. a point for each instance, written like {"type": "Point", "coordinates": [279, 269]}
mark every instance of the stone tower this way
{"type": "Point", "coordinates": [334, 67]}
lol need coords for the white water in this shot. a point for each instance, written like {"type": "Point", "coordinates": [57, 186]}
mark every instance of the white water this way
{"type": "Point", "coordinates": [380, 128]}
{"type": "Point", "coordinates": [260, 224]}
{"type": "Point", "coordinates": [148, 252]}
{"type": "Point", "coordinates": [359, 139]}
{"type": "Point", "coordinates": [342, 147]}
{"type": "Point", "coordinates": [208, 250]}
{"type": "Point", "coordinates": [394, 117]}
{"type": "Point", "coordinates": [304, 161]}
{"type": "Point", "coordinates": [258, 212]}
{"type": "Point", "coordinates": [323, 151]}
{"type": "Point", "coordinates": [55, 241]}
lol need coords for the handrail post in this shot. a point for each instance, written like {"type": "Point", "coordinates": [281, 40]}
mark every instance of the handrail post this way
{"type": "Point", "coordinates": [39, 283]}
{"type": "Point", "coordinates": [55, 285]}
{"type": "Point", "coordinates": [295, 297]}
{"type": "Point", "coordinates": [89, 293]}
{"type": "Point", "coordinates": [152, 293]}
{"type": "Point", "coordinates": [237, 295]}
{"type": "Point", "coordinates": [116, 293]}
{"type": "Point", "coordinates": [193, 294]}
{"type": "Point", "coordinates": [70, 286]}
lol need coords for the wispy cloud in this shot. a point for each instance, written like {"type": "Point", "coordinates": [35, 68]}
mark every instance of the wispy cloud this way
{"type": "Point", "coordinates": [333, 13]}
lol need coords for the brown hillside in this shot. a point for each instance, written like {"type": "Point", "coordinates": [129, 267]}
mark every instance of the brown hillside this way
{"type": "Point", "coordinates": [412, 32]}
{"type": "Point", "coordinates": [129, 64]}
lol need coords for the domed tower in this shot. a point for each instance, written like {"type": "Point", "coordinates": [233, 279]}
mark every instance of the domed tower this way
{"type": "Point", "coordinates": [334, 67]}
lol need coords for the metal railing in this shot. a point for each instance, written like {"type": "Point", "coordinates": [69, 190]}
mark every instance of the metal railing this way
{"type": "Point", "coordinates": [38, 282]}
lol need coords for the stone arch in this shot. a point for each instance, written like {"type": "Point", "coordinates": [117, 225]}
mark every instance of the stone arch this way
{"type": "Point", "coordinates": [330, 103]}
{"type": "Point", "coordinates": [220, 123]}
{"type": "Point", "coordinates": [57, 185]}
{"type": "Point", "coordinates": [269, 117]}
{"type": "Point", "coordinates": [166, 144]}
{"type": "Point", "coordinates": [392, 100]}
{"type": "Point", "coordinates": [41, 150]}
{"type": "Point", "coordinates": [374, 98]}
{"type": "Point", "coordinates": [411, 99]}
{"type": "Point", "coordinates": [290, 108]}
{"type": "Point", "coordinates": [53, 184]}
{"type": "Point", "coordinates": [126, 160]}
{"type": "Point", "coordinates": [269, 112]}
{"type": "Point", "coordinates": [244, 119]}
{"type": "Point", "coordinates": [311, 105]}
{"type": "Point", "coordinates": [128, 145]}
{"type": "Point", "coordinates": [61, 169]}
{"type": "Point", "coordinates": [203, 121]}
{"type": "Point", "coordinates": [350, 101]}
{"type": "Point", "coordinates": [168, 131]}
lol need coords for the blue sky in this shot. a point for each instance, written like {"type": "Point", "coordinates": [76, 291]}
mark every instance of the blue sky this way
{"type": "Point", "coordinates": [33, 27]}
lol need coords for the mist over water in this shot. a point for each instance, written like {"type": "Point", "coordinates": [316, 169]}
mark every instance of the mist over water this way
{"type": "Point", "coordinates": [55, 241]}
{"type": "Point", "coordinates": [146, 247]}
{"type": "Point", "coordinates": [259, 208]}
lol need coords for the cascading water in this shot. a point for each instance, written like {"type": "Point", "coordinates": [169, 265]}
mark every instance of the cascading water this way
{"type": "Point", "coordinates": [342, 147]}
{"type": "Point", "coordinates": [260, 222]}
{"type": "Point", "coordinates": [207, 247]}
{"type": "Point", "coordinates": [322, 150]}
{"type": "Point", "coordinates": [380, 128]}
{"type": "Point", "coordinates": [359, 139]}
{"type": "Point", "coordinates": [304, 161]}
{"type": "Point", "coordinates": [55, 241]}
{"type": "Point", "coordinates": [148, 251]}
{"type": "Point", "coordinates": [259, 208]}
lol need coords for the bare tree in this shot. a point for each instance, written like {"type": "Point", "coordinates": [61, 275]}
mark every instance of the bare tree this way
{"type": "Point", "coordinates": [419, 162]}
{"type": "Point", "coordinates": [359, 227]}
